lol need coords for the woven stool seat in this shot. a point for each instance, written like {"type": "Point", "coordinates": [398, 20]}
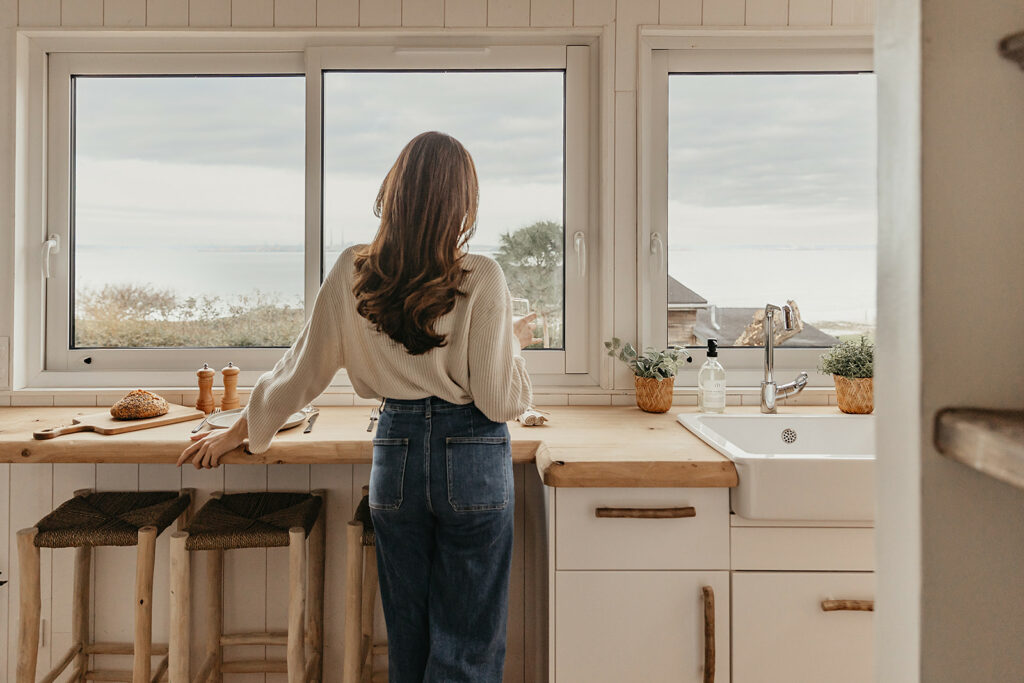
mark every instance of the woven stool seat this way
{"type": "Point", "coordinates": [109, 518]}
{"type": "Point", "coordinates": [363, 517]}
{"type": "Point", "coordinates": [251, 520]}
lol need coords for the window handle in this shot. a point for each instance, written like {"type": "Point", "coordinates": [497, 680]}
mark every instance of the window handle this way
{"type": "Point", "coordinates": [579, 242]}
{"type": "Point", "coordinates": [658, 249]}
{"type": "Point", "coordinates": [50, 246]}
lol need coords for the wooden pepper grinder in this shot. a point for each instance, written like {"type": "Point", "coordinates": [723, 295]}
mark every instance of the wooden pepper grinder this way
{"type": "Point", "coordinates": [205, 401]}
{"type": "Point", "coordinates": [230, 399]}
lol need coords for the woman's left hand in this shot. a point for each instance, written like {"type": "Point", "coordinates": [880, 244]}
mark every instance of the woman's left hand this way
{"type": "Point", "coordinates": [209, 447]}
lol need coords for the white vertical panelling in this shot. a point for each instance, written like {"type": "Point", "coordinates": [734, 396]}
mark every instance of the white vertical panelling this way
{"type": "Point", "coordinates": [6, 649]}
{"type": "Point", "coordinates": [81, 13]}
{"type": "Point", "coordinates": [337, 481]}
{"type": "Point", "coordinates": [593, 12]}
{"type": "Point", "coordinates": [171, 13]}
{"type": "Point", "coordinates": [252, 13]}
{"type": "Point", "coordinates": [810, 12]}
{"type": "Point", "coordinates": [161, 478]}
{"type": "Point", "coordinates": [39, 13]}
{"type": "Point", "coordinates": [295, 13]}
{"type": "Point", "coordinates": [31, 495]}
{"type": "Point", "coordinates": [509, 13]}
{"type": "Point", "coordinates": [724, 13]}
{"type": "Point", "coordinates": [631, 14]}
{"type": "Point", "coordinates": [124, 13]}
{"type": "Point", "coordinates": [337, 12]}
{"type": "Point", "coordinates": [422, 12]}
{"type": "Point", "coordinates": [681, 12]}
{"type": "Point", "coordinates": [853, 12]}
{"type": "Point", "coordinates": [380, 12]}
{"type": "Point", "coordinates": [462, 13]}
{"type": "Point", "coordinates": [767, 12]}
{"type": "Point", "coordinates": [551, 13]}
{"type": "Point", "coordinates": [245, 576]}
{"type": "Point", "coordinates": [114, 574]}
{"type": "Point", "coordinates": [209, 13]}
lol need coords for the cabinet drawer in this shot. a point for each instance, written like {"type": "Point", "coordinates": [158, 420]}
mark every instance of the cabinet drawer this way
{"type": "Point", "coordinates": [584, 540]}
{"type": "Point", "coordinates": [781, 634]}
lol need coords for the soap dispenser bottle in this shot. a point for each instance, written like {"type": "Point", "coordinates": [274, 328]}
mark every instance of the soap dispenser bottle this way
{"type": "Point", "coordinates": [711, 382]}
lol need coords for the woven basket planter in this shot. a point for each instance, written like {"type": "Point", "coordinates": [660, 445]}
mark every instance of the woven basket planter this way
{"type": "Point", "coordinates": [855, 395]}
{"type": "Point", "coordinates": [654, 395]}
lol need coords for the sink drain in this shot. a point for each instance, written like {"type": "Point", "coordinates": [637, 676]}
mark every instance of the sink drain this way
{"type": "Point", "coordinates": [788, 435]}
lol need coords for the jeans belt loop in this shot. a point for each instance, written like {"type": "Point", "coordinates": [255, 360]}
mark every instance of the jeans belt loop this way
{"type": "Point", "coordinates": [426, 404]}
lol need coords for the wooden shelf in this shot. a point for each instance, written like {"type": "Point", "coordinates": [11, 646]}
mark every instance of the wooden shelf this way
{"type": "Point", "coordinates": [1012, 47]}
{"type": "Point", "coordinates": [990, 441]}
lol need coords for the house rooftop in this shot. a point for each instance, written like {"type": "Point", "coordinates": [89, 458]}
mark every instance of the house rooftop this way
{"type": "Point", "coordinates": [679, 295]}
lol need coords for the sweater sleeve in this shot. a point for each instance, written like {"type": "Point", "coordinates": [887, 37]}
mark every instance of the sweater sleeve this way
{"type": "Point", "coordinates": [301, 375]}
{"type": "Point", "coordinates": [498, 380]}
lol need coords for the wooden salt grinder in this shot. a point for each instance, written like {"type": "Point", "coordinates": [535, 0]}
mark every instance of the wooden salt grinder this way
{"type": "Point", "coordinates": [205, 401]}
{"type": "Point", "coordinates": [230, 399]}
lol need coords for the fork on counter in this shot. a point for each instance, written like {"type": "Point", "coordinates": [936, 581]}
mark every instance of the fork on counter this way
{"type": "Point", "coordinates": [205, 420]}
{"type": "Point", "coordinates": [374, 416]}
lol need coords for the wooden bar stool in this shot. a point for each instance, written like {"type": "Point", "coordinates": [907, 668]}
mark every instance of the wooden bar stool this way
{"type": "Point", "coordinates": [252, 520]}
{"type": "Point", "coordinates": [361, 598]}
{"type": "Point", "coordinates": [114, 518]}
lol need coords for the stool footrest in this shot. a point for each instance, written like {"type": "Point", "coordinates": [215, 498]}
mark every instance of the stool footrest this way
{"type": "Point", "coordinates": [108, 675]}
{"type": "Point", "coordinates": [274, 638]}
{"type": "Point", "coordinates": [157, 650]}
{"type": "Point", "coordinates": [255, 666]}
{"type": "Point", "coordinates": [69, 656]}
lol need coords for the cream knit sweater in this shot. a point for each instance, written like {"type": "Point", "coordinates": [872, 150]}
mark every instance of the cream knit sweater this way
{"type": "Point", "coordinates": [480, 363]}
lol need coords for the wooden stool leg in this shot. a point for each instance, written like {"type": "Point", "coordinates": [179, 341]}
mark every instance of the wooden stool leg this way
{"type": "Point", "coordinates": [353, 591]}
{"type": "Point", "coordinates": [80, 610]}
{"type": "Point", "coordinates": [369, 598]}
{"type": "Point", "coordinates": [315, 593]}
{"type": "Point", "coordinates": [30, 605]}
{"type": "Point", "coordinates": [296, 604]}
{"type": "Point", "coordinates": [144, 605]}
{"type": "Point", "coordinates": [214, 613]}
{"type": "Point", "coordinates": [181, 607]}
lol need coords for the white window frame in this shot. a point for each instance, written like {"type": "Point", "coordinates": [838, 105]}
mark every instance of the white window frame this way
{"type": "Point", "coordinates": [52, 60]}
{"type": "Point", "coordinates": [730, 51]}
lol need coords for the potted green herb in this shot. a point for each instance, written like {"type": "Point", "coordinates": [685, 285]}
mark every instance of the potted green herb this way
{"type": "Point", "coordinates": [852, 366]}
{"type": "Point", "coordinates": [654, 372]}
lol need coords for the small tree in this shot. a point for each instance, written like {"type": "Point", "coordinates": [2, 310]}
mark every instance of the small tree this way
{"type": "Point", "coordinates": [532, 260]}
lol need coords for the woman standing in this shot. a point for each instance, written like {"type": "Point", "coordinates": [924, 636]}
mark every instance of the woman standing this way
{"type": "Point", "coordinates": [419, 322]}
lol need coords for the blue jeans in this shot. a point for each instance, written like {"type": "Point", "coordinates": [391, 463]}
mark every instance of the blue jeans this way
{"type": "Point", "coordinates": [441, 500]}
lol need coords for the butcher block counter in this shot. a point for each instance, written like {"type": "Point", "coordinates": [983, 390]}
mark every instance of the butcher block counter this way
{"type": "Point", "coordinates": [581, 446]}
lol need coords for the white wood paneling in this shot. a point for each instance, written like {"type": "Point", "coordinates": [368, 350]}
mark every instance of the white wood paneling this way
{"type": "Point", "coordinates": [810, 12]}
{"type": "Point", "coordinates": [681, 12]}
{"type": "Point", "coordinates": [724, 12]}
{"type": "Point", "coordinates": [465, 13]}
{"type": "Point", "coordinates": [551, 13]}
{"type": "Point", "coordinates": [124, 13]}
{"type": "Point", "coordinates": [171, 13]}
{"type": "Point", "coordinates": [114, 574]}
{"type": "Point", "coordinates": [252, 13]}
{"type": "Point", "coordinates": [380, 12]}
{"type": "Point", "coordinates": [853, 12]}
{"type": "Point", "coordinates": [422, 12]}
{"type": "Point", "coordinates": [336, 480]}
{"type": "Point", "coordinates": [161, 478]}
{"type": "Point", "coordinates": [767, 12]}
{"type": "Point", "coordinates": [209, 13]}
{"type": "Point", "coordinates": [295, 13]}
{"type": "Point", "coordinates": [593, 12]}
{"type": "Point", "coordinates": [337, 12]}
{"type": "Point", "coordinates": [39, 13]}
{"type": "Point", "coordinates": [508, 13]}
{"type": "Point", "coordinates": [81, 13]}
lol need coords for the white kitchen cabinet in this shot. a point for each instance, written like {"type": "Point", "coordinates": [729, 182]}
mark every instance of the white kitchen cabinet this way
{"type": "Point", "coordinates": [781, 634]}
{"type": "Point", "coordinates": [624, 626]}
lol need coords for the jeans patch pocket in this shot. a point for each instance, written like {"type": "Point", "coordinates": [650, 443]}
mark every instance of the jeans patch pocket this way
{"type": "Point", "coordinates": [478, 472]}
{"type": "Point", "coordinates": [387, 473]}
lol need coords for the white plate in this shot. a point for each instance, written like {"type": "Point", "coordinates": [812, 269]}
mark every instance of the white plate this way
{"type": "Point", "coordinates": [226, 418]}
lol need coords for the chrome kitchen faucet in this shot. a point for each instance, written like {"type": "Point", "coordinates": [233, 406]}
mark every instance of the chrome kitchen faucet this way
{"type": "Point", "coordinates": [770, 391]}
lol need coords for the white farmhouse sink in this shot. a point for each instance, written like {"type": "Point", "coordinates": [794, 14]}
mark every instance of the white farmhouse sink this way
{"type": "Point", "coordinates": [796, 467]}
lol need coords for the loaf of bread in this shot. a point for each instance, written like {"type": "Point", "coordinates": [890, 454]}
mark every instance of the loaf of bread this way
{"type": "Point", "coordinates": [138, 404]}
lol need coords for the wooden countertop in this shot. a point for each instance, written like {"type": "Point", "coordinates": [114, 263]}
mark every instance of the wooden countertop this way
{"type": "Point", "coordinates": [580, 446]}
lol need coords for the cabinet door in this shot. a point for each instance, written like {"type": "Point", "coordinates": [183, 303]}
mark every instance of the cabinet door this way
{"type": "Point", "coordinates": [781, 633]}
{"type": "Point", "coordinates": [625, 626]}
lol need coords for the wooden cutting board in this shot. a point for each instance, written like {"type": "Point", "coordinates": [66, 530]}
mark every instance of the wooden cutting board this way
{"type": "Point", "coordinates": [104, 423]}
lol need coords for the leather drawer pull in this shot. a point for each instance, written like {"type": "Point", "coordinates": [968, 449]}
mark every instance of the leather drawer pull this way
{"type": "Point", "coordinates": [847, 605]}
{"type": "Point", "coordinates": [709, 633]}
{"type": "Point", "coordinates": [646, 513]}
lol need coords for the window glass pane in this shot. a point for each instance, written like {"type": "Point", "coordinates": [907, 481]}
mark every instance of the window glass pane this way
{"type": "Point", "coordinates": [188, 204]}
{"type": "Point", "coordinates": [771, 199]}
{"type": "Point", "coordinates": [512, 123]}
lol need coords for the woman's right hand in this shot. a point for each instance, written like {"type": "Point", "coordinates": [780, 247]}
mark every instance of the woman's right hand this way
{"type": "Point", "coordinates": [523, 329]}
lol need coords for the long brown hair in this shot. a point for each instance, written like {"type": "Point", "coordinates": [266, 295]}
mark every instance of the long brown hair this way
{"type": "Point", "coordinates": [409, 276]}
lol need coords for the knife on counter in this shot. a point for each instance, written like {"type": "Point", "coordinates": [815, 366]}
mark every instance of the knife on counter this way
{"type": "Point", "coordinates": [312, 420]}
